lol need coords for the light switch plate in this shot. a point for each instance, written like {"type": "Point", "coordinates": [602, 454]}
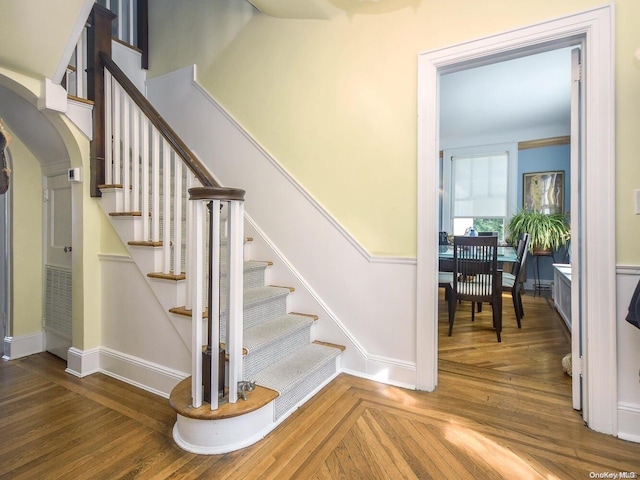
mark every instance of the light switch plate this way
{"type": "Point", "coordinates": [636, 197]}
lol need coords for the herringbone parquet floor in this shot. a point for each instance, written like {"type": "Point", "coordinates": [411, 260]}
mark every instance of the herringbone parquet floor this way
{"type": "Point", "coordinates": [500, 411]}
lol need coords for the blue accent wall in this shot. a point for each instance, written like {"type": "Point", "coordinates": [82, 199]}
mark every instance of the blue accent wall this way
{"type": "Point", "coordinates": [546, 159]}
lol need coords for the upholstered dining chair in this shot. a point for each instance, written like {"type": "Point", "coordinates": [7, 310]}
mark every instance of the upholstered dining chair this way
{"type": "Point", "coordinates": [476, 277]}
{"type": "Point", "coordinates": [513, 282]}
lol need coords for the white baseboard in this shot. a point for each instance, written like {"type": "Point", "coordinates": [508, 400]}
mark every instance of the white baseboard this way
{"type": "Point", "coordinates": [387, 370]}
{"type": "Point", "coordinates": [143, 374]}
{"type": "Point", "coordinates": [147, 375]}
{"type": "Point", "coordinates": [629, 422]}
{"type": "Point", "coordinates": [22, 346]}
{"type": "Point", "coordinates": [83, 362]}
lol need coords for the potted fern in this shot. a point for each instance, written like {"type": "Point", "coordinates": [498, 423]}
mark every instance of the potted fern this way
{"type": "Point", "coordinates": [548, 232]}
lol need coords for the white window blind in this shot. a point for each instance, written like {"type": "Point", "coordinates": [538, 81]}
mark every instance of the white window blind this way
{"type": "Point", "coordinates": [480, 185]}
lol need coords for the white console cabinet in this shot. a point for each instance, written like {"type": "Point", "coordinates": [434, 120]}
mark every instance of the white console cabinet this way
{"type": "Point", "coordinates": [562, 291]}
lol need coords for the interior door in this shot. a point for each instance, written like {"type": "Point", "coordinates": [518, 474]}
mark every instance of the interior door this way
{"type": "Point", "coordinates": [577, 334]}
{"type": "Point", "coordinates": [57, 307]}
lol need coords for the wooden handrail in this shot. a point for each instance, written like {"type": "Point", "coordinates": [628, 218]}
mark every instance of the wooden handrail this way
{"type": "Point", "coordinates": [181, 149]}
{"type": "Point", "coordinates": [216, 193]}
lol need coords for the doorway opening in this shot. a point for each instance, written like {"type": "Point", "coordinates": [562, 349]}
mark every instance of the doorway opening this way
{"type": "Point", "coordinates": [595, 202]}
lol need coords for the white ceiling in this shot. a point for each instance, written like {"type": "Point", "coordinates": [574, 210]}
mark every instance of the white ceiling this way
{"type": "Point", "coordinates": [528, 94]}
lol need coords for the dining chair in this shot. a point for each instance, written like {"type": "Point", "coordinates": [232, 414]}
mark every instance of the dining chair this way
{"type": "Point", "coordinates": [513, 282]}
{"type": "Point", "coordinates": [476, 277]}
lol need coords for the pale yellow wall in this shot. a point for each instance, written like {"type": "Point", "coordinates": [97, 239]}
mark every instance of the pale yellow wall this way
{"type": "Point", "coordinates": [334, 101]}
{"type": "Point", "coordinates": [26, 191]}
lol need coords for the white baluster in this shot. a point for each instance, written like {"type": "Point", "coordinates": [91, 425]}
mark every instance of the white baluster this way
{"type": "Point", "coordinates": [235, 317]}
{"type": "Point", "coordinates": [177, 217]}
{"type": "Point", "coordinates": [214, 297]}
{"type": "Point", "coordinates": [126, 152]}
{"type": "Point", "coordinates": [145, 178]}
{"type": "Point", "coordinates": [166, 206]}
{"type": "Point", "coordinates": [135, 160]}
{"type": "Point", "coordinates": [108, 123]}
{"type": "Point", "coordinates": [155, 188]}
{"type": "Point", "coordinates": [197, 301]}
{"type": "Point", "coordinates": [190, 242]}
{"type": "Point", "coordinates": [117, 125]}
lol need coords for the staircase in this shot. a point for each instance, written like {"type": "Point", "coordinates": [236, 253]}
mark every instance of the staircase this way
{"type": "Point", "coordinates": [145, 198]}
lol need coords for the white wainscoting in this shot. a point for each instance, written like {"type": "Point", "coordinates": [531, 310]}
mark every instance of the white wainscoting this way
{"type": "Point", "coordinates": [627, 278]}
{"type": "Point", "coordinates": [140, 341]}
{"type": "Point", "coordinates": [365, 302]}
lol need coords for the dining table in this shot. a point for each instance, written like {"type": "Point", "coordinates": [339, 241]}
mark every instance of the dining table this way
{"type": "Point", "coordinates": [506, 253]}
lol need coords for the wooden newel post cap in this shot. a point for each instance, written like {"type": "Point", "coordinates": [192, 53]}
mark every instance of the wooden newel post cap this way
{"type": "Point", "coordinates": [216, 193]}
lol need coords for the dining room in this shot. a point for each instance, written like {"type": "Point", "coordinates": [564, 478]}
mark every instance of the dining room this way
{"type": "Point", "coordinates": [505, 149]}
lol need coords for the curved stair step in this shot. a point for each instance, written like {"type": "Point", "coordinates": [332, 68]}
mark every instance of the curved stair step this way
{"type": "Point", "coordinates": [180, 401]}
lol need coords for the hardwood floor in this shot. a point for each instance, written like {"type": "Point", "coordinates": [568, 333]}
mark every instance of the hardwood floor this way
{"type": "Point", "coordinates": [500, 411]}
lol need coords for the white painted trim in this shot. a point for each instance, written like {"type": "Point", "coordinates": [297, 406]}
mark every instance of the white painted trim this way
{"type": "Point", "coordinates": [629, 421]}
{"type": "Point", "coordinates": [23, 346]}
{"type": "Point", "coordinates": [214, 437]}
{"type": "Point", "coordinates": [628, 270]}
{"type": "Point", "coordinates": [72, 41]}
{"type": "Point", "coordinates": [83, 362]}
{"type": "Point", "coordinates": [599, 293]}
{"type": "Point", "coordinates": [81, 114]}
{"type": "Point", "coordinates": [141, 373]}
{"type": "Point", "coordinates": [111, 257]}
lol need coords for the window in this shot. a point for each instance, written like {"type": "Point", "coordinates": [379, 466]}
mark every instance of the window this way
{"type": "Point", "coordinates": [478, 190]}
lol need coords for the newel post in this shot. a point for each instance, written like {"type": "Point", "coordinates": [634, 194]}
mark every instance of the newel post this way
{"type": "Point", "coordinates": [98, 40]}
{"type": "Point", "coordinates": [208, 376]}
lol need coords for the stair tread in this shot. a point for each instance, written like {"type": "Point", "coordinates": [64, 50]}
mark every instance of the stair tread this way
{"type": "Point", "coordinates": [250, 297]}
{"type": "Point", "coordinates": [264, 333]}
{"type": "Point", "coordinates": [283, 375]}
{"type": "Point", "coordinates": [258, 294]}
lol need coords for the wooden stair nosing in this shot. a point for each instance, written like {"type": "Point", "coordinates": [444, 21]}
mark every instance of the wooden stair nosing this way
{"type": "Point", "coordinates": [180, 401]}
{"type": "Point", "coordinates": [145, 243]}
{"type": "Point", "coordinates": [309, 315]}
{"type": "Point", "coordinates": [167, 276]}
{"type": "Point", "coordinates": [342, 348]}
{"type": "Point", "coordinates": [125, 214]}
{"type": "Point", "coordinates": [291, 289]}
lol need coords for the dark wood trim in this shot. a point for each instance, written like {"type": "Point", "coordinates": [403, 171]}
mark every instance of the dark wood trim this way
{"type": "Point", "coordinates": [98, 40]}
{"type": "Point", "coordinates": [216, 193]}
{"type": "Point", "coordinates": [143, 31]}
{"type": "Point", "coordinates": [181, 149]}
{"type": "Point", "coordinates": [544, 142]}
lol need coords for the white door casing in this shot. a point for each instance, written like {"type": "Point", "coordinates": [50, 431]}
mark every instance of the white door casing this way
{"type": "Point", "coordinates": [597, 291]}
{"type": "Point", "coordinates": [577, 144]}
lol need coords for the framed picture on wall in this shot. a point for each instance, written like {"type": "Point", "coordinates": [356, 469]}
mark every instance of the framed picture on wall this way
{"type": "Point", "coordinates": [543, 192]}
